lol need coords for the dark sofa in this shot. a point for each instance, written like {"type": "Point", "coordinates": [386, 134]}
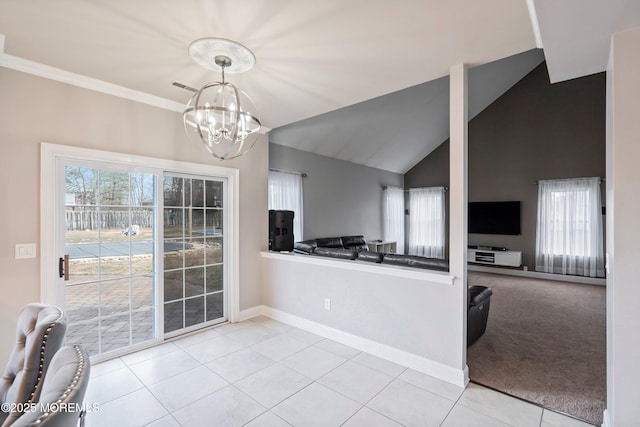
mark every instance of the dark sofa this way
{"type": "Point", "coordinates": [355, 248]}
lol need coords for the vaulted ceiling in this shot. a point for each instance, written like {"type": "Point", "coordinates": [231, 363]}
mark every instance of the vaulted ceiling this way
{"type": "Point", "coordinates": [395, 131]}
{"type": "Point", "coordinates": [313, 58]}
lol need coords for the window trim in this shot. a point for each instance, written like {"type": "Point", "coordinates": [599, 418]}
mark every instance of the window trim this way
{"type": "Point", "coordinates": [49, 155]}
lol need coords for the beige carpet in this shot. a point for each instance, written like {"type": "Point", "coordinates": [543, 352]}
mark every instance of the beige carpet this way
{"type": "Point", "coordinates": [545, 343]}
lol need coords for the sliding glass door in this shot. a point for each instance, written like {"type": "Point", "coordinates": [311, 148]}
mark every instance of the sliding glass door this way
{"type": "Point", "coordinates": [142, 253]}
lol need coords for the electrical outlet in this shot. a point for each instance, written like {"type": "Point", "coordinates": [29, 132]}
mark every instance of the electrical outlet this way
{"type": "Point", "coordinates": [327, 304]}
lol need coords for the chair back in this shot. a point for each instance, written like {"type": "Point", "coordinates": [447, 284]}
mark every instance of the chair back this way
{"type": "Point", "coordinates": [39, 335]}
{"type": "Point", "coordinates": [61, 403]}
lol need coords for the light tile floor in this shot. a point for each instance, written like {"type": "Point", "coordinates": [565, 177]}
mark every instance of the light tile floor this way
{"type": "Point", "coordinates": [264, 373]}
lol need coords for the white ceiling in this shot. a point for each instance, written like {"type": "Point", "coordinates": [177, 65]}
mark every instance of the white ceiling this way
{"type": "Point", "coordinates": [576, 34]}
{"type": "Point", "coordinates": [313, 57]}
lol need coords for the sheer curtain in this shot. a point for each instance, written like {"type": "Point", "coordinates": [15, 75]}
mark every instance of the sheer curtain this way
{"type": "Point", "coordinates": [285, 193]}
{"type": "Point", "coordinates": [569, 237]}
{"type": "Point", "coordinates": [426, 222]}
{"type": "Point", "coordinates": [393, 217]}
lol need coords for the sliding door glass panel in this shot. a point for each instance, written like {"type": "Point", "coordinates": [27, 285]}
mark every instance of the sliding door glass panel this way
{"type": "Point", "coordinates": [109, 238]}
{"type": "Point", "coordinates": [193, 252]}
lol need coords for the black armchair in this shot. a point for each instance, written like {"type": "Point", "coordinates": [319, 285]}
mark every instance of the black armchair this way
{"type": "Point", "coordinates": [479, 298]}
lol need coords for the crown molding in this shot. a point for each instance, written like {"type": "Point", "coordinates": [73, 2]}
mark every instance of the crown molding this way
{"type": "Point", "coordinates": [79, 80]}
{"type": "Point", "coordinates": [63, 76]}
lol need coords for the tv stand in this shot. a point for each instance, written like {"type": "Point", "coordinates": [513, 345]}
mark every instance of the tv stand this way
{"type": "Point", "coordinates": [490, 257]}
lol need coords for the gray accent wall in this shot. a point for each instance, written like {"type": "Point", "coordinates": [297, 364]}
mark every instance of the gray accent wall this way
{"type": "Point", "coordinates": [535, 131]}
{"type": "Point", "coordinates": [340, 198]}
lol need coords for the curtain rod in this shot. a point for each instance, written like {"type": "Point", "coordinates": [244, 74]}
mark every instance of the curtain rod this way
{"type": "Point", "coordinates": [304, 175]}
{"type": "Point", "coordinates": [566, 179]}
{"type": "Point", "coordinates": [384, 187]}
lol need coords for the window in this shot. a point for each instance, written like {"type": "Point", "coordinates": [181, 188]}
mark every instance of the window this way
{"type": "Point", "coordinates": [285, 193]}
{"type": "Point", "coordinates": [569, 238]}
{"type": "Point", "coordinates": [393, 217]}
{"type": "Point", "coordinates": [426, 222]}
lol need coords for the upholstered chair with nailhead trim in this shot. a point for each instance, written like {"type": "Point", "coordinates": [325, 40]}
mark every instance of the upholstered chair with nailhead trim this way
{"type": "Point", "coordinates": [39, 335]}
{"type": "Point", "coordinates": [62, 398]}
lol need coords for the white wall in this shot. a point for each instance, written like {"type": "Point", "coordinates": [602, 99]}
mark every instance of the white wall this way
{"type": "Point", "coordinates": [411, 316]}
{"type": "Point", "coordinates": [33, 110]}
{"type": "Point", "coordinates": [340, 198]}
{"type": "Point", "coordinates": [623, 230]}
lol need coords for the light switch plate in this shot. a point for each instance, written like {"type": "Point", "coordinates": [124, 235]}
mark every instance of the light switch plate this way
{"type": "Point", "coordinates": [25, 250]}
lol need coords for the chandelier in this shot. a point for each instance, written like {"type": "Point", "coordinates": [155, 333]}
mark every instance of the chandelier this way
{"type": "Point", "coordinates": [220, 115]}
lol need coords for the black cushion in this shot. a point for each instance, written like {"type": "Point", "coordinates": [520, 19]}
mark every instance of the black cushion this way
{"type": "Point", "coordinates": [354, 242]}
{"type": "Point", "coordinates": [329, 242]}
{"type": "Point", "coordinates": [477, 294]}
{"type": "Point", "coordinates": [416, 261]}
{"type": "Point", "coordinates": [341, 253]}
{"type": "Point", "coordinates": [396, 259]}
{"type": "Point", "coordinates": [305, 247]}
{"type": "Point", "coordinates": [370, 256]}
{"type": "Point", "coordinates": [430, 263]}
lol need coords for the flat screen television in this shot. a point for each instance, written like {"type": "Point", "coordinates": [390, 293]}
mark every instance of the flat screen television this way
{"type": "Point", "coordinates": [494, 218]}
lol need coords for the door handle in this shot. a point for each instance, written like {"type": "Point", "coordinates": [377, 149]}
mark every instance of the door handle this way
{"type": "Point", "coordinates": [63, 267]}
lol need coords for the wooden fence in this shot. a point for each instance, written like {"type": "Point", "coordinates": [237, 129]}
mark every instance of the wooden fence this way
{"type": "Point", "coordinates": [92, 220]}
{"type": "Point", "coordinates": [121, 219]}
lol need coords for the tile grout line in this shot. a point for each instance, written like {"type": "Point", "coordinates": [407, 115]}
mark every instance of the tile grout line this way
{"type": "Point", "coordinates": [313, 381]}
{"type": "Point", "coordinates": [376, 395]}
{"type": "Point", "coordinates": [229, 384]}
{"type": "Point", "coordinates": [457, 401]}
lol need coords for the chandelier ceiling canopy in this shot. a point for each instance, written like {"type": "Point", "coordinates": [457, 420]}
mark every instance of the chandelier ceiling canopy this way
{"type": "Point", "coordinates": [220, 115]}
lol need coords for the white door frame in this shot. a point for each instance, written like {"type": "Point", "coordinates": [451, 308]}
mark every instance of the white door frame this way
{"type": "Point", "coordinates": [50, 153]}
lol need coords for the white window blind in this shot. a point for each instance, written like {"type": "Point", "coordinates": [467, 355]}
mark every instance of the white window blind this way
{"type": "Point", "coordinates": [285, 193]}
{"type": "Point", "coordinates": [427, 222]}
{"type": "Point", "coordinates": [569, 238]}
{"type": "Point", "coordinates": [393, 217]}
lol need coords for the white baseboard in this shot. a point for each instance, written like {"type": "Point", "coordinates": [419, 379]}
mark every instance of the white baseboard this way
{"type": "Point", "coordinates": [538, 275]}
{"type": "Point", "coordinates": [605, 419]}
{"type": "Point", "coordinates": [249, 313]}
{"type": "Point", "coordinates": [459, 377]}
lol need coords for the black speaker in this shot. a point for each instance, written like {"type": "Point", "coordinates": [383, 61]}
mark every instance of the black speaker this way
{"type": "Point", "coordinates": [281, 230]}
